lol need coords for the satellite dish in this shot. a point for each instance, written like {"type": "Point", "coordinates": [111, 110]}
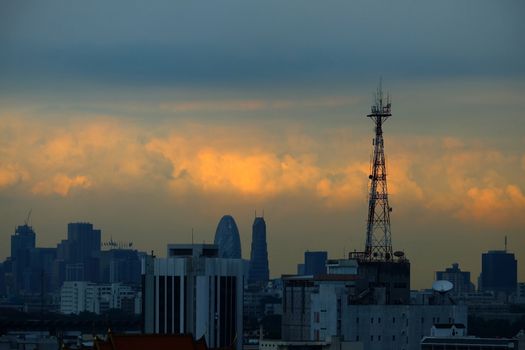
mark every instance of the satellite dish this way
{"type": "Point", "coordinates": [442, 286]}
{"type": "Point", "coordinates": [399, 253]}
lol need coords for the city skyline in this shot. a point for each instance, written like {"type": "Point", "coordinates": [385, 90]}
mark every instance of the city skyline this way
{"type": "Point", "coordinates": [175, 115]}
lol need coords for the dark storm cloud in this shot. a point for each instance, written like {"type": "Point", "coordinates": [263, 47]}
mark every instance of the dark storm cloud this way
{"type": "Point", "coordinates": [245, 43]}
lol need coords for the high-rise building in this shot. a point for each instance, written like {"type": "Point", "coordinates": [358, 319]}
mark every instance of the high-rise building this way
{"type": "Point", "coordinates": [22, 242]}
{"type": "Point", "coordinates": [259, 271]}
{"type": "Point", "coordinates": [120, 266]}
{"type": "Point", "coordinates": [315, 263]}
{"type": "Point", "coordinates": [78, 256]}
{"type": "Point", "coordinates": [499, 271]}
{"type": "Point", "coordinates": [227, 238]}
{"type": "Point", "coordinates": [460, 279]}
{"type": "Point", "coordinates": [194, 291]}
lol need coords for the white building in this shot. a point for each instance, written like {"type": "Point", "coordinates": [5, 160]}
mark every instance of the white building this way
{"type": "Point", "coordinates": [194, 291]}
{"type": "Point", "coordinates": [79, 296]}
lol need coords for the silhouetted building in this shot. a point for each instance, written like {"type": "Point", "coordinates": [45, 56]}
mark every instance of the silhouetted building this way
{"type": "Point", "coordinates": [78, 256]}
{"type": "Point", "coordinates": [460, 279]}
{"type": "Point", "coordinates": [227, 238]}
{"type": "Point", "coordinates": [499, 272]}
{"type": "Point", "coordinates": [41, 269]}
{"type": "Point", "coordinates": [193, 291]}
{"type": "Point", "coordinates": [120, 266]}
{"type": "Point", "coordinates": [22, 242]}
{"type": "Point", "coordinates": [259, 271]}
{"type": "Point", "coordinates": [315, 263]}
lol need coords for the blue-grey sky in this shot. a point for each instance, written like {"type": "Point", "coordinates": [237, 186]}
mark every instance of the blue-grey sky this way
{"type": "Point", "coordinates": [152, 118]}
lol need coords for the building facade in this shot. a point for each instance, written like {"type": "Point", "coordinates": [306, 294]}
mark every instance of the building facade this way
{"type": "Point", "coordinates": [80, 296]}
{"type": "Point", "coordinates": [194, 291]}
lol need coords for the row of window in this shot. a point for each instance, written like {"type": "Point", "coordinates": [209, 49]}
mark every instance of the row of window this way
{"type": "Point", "coordinates": [377, 338]}
{"type": "Point", "coordinates": [434, 320]}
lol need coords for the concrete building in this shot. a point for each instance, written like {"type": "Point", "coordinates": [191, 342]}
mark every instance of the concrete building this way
{"type": "Point", "coordinates": [396, 327]}
{"type": "Point", "coordinates": [79, 296]}
{"type": "Point", "coordinates": [499, 272]}
{"type": "Point", "coordinates": [194, 291]}
{"type": "Point", "coordinates": [363, 301]}
{"type": "Point", "coordinates": [460, 279]}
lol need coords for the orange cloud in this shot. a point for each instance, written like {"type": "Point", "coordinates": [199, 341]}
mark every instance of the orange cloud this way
{"type": "Point", "coordinates": [61, 184]}
{"type": "Point", "coordinates": [447, 176]}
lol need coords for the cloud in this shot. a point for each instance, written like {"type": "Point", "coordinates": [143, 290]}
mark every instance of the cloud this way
{"type": "Point", "coordinates": [61, 184]}
{"type": "Point", "coordinates": [455, 178]}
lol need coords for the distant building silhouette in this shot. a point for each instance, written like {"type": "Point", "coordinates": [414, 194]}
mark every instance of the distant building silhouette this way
{"type": "Point", "coordinates": [120, 266]}
{"type": "Point", "coordinates": [78, 256]}
{"type": "Point", "coordinates": [499, 271]}
{"type": "Point", "coordinates": [22, 242]}
{"type": "Point", "coordinates": [315, 263]}
{"type": "Point", "coordinates": [460, 279]}
{"type": "Point", "coordinates": [259, 271]}
{"type": "Point", "coordinates": [227, 238]}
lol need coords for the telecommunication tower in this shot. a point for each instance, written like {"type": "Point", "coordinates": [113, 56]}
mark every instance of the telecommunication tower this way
{"type": "Point", "coordinates": [378, 238]}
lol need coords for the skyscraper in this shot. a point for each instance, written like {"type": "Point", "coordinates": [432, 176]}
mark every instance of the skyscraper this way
{"type": "Point", "coordinates": [80, 252]}
{"type": "Point", "coordinates": [22, 242]}
{"type": "Point", "coordinates": [227, 238]}
{"type": "Point", "coordinates": [259, 271]}
{"type": "Point", "coordinates": [499, 271]}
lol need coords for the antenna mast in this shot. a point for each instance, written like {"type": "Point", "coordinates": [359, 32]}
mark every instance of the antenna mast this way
{"type": "Point", "coordinates": [378, 235]}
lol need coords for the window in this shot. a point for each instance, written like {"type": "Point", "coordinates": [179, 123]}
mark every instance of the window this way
{"type": "Point", "coordinates": [356, 338]}
{"type": "Point", "coordinates": [379, 320]}
{"type": "Point", "coordinates": [393, 338]}
{"type": "Point", "coordinates": [357, 320]}
{"type": "Point", "coordinates": [393, 320]}
{"type": "Point", "coordinates": [372, 320]}
{"type": "Point", "coordinates": [371, 338]}
{"type": "Point", "coordinates": [422, 320]}
{"type": "Point", "coordinates": [379, 338]}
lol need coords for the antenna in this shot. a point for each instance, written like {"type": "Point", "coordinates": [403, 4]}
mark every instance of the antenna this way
{"type": "Point", "coordinates": [378, 235]}
{"type": "Point", "coordinates": [27, 221]}
{"type": "Point", "coordinates": [505, 243]}
{"type": "Point", "coordinates": [192, 236]}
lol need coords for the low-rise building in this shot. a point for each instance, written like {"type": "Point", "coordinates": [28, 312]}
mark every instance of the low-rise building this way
{"type": "Point", "coordinates": [79, 296]}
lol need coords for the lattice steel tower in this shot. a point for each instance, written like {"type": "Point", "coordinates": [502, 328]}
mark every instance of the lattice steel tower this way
{"type": "Point", "coordinates": [378, 239]}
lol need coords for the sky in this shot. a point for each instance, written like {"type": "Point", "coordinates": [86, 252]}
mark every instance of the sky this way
{"type": "Point", "coordinates": [153, 119]}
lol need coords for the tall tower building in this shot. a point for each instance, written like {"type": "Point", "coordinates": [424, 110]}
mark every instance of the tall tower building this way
{"type": "Point", "coordinates": [499, 271]}
{"type": "Point", "coordinates": [227, 238]}
{"type": "Point", "coordinates": [259, 271]}
{"type": "Point", "coordinates": [22, 242]}
{"type": "Point", "coordinates": [83, 252]}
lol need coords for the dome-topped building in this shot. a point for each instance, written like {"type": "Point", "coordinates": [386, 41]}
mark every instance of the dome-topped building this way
{"type": "Point", "coordinates": [227, 238]}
